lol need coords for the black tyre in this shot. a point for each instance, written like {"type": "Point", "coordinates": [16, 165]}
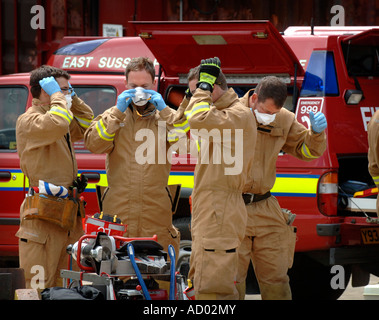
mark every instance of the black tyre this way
{"type": "Point", "coordinates": [184, 226]}
{"type": "Point", "coordinates": [183, 260]}
{"type": "Point", "coordinates": [311, 280]}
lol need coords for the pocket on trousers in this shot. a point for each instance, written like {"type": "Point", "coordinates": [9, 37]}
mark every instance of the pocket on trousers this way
{"type": "Point", "coordinates": [291, 244]}
{"type": "Point", "coordinates": [218, 266]}
{"type": "Point", "coordinates": [26, 235]}
{"type": "Point", "coordinates": [291, 238]}
{"type": "Point", "coordinates": [173, 232]}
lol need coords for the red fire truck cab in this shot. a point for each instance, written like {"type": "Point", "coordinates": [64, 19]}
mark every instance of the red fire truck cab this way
{"type": "Point", "coordinates": [333, 71]}
{"type": "Point", "coordinates": [341, 226]}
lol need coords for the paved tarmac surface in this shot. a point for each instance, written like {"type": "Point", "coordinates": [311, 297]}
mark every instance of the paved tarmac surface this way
{"type": "Point", "coordinates": [349, 294]}
{"type": "Point", "coordinates": [357, 293]}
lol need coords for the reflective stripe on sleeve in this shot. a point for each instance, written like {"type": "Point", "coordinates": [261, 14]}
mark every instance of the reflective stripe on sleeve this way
{"type": "Point", "coordinates": [85, 123]}
{"type": "Point", "coordinates": [376, 180]}
{"type": "Point", "coordinates": [306, 152]}
{"type": "Point", "coordinates": [199, 107]}
{"type": "Point", "coordinates": [62, 113]}
{"type": "Point", "coordinates": [103, 132]}
{"type": "Point", "coordinates": [175, 135]}
{"type": "Point", "coordinates": [182, 126]}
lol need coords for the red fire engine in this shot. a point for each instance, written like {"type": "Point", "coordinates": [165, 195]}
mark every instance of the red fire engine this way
{"type": "Point", "coordinates": [326, 69]}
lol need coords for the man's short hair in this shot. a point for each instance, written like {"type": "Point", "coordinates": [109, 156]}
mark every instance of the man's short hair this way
{"type": "Point", "coordinates": [140, 64]}
{"type": "Point", "coordinates": [272, 87]}
{"type": "Point", "coordinates": [43, 72]}
{"type": "Point", "coordinates": [194, 73]}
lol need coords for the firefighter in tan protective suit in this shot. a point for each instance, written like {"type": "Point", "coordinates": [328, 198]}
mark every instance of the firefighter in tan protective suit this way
{"type": "Point", "coordinates": [45, 133]}
{"type": "Point", "coordinates": [220, 124]}
{"type": "Point", "coordinates": [373, 151]}
{"type": "Point", "coordinates": [136, 139]}
{"type": "Point", "coordinates": [270, 237]}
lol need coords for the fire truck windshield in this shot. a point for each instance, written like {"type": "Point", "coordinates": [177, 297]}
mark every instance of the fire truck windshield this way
{"type": "Point", "coordinates": [320, 78]}
{"type": "Point", "coordinates": [361, 60]}
{"type": "Point", "coordinates": [80, 48]}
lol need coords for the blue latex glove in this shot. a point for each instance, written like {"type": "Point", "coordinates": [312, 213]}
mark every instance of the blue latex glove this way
{"type": "Point", "coordinates": [73, 92]}
{"type": "Point", "coordinates": [318, 121]}
{"type": "Point", "coordinates": [156, 100]}
{"type": "Point", "coordinates": [49, 85]}
{"type": "Point", "coordinates": [125, 99]}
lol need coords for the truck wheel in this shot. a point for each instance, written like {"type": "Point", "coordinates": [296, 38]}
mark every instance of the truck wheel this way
{"type": "Point", "coordinates": [184, 226]}
{"type": "Point", "coordinates": [183, 261]}
{"type": "Point", "coordinates": [311, 280]}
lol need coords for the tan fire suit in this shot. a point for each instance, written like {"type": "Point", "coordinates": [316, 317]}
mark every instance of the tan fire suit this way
{"type": "Point", "coordinates": [373, 151]}
{"type": "Point", "coordinates": [219, 213]}
{"type": "Point", "coordinates": [269, 241]}
{"type": "Point", "coordinates": [138, 165]}
{"type": "Point", "coordinates": [44, 143]}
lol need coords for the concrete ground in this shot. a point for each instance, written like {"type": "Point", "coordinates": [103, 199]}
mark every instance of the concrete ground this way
{"type": "Point", "coordinates": [349, 294]}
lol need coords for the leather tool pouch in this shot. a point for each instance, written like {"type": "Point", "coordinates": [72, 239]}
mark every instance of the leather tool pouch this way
{"type": "Point", "coordinates": [81, 210]}
{"type": "Point", "coordinates": [62, 212]}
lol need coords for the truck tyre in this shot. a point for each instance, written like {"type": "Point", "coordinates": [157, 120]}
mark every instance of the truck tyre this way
{"type": "Point", "coordinates": [311, 280]}
{"type": "Point", "coordinates": [183, 261]}
{"type": "Point", "coordinates": [184, 226]}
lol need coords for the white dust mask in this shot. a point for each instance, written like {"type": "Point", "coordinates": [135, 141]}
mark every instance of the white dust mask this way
{"type": "Point", "coordinates": [141, 97]}
{"type": "Point", "coordinates": [68, 101]}
{"type": "Point", "coordinates": [264, 118]}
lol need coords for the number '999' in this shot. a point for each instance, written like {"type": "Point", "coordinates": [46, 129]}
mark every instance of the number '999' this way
{"type": "Point", "coordinates": [307, 109]}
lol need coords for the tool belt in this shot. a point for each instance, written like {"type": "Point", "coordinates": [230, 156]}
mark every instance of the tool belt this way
{"type": "Point", "coordinates": [62, 212]}
{"type": "Point", "coordinates": [251, 197]}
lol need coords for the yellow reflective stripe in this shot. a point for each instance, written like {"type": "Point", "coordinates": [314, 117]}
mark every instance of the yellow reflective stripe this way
{"type": "Point", "coordinates": [85, 123]}
{"type": "Point", "coordinates": [306, 152]}
{"type": "Point", "coordinates": [376, 180]}
{"type": "Point", "coordinates": [103, 132]}
{"type": "Point", "coordinates": [172, 137]}
{"type": "Point", "coordinates": [198, 144]}
{"type": "Point", "coordinates": [206, 77]}
{"type": "Point", "coordinates": [198, 107]}
{"type": "Point", "coordinates": [91, 187]}
{"type": "Point", "coordinates": [62, 113]}
{"type": "Point", "coordinates": [175, 134]}
{"type": "Point", "coordinates": [292, 185]}
{"type": "Point", "coordinates": [183, 126]}
{"type": "Point", "coordinates": [185, 180]}
{"type": "Point", "coordinates": [284, 186]}
{"type": "Point", "coordinates": [16, 183]}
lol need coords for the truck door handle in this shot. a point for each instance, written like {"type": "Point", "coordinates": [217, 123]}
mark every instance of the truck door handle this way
{"type": "Point", "coordinates": [93, 177]}
{"type": "Point", "coordinates": [5, 176]}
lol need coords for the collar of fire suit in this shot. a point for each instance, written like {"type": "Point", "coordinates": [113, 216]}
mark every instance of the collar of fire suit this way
{"type": "Point", "coordinates": [245, 99]}
{"type": "Point", "coordinates": [39, 104]}
{"type": "Point", "coordinates": [148, 112]}
{"type": "Point", "coordinates": [226, 100]}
